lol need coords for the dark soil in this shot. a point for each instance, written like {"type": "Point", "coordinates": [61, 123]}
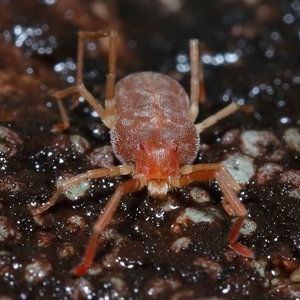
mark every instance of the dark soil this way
{"type": "Point", "coordinates": [251, 56]}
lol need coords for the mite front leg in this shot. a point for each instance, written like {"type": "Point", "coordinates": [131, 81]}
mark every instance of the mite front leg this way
{"type": "Point", "coordinates": [92, 174]}
{"type": "Point", "coordinates": [229, 188]}
{"type": "Point", "coordinates": [125, 188]}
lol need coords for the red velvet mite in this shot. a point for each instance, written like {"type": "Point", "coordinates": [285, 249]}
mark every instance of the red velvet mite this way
{"type": "Point", "coordinates": [153, 135]}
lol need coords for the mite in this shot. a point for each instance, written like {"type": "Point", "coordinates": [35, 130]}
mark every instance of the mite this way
{"type": "Point", "coordinates": [153, 135]}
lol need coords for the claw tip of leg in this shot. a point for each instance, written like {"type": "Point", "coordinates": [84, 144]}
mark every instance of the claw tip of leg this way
{"type": "Point", "coordinates": [80, 270]}
{"type": "Point", "coordinates": [242, 250]}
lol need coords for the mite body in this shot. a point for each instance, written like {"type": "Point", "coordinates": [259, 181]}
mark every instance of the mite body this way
{"type": "Point", "coordinates": [154, 137]}
{"type": "Point", "coordinates": [152, 131]}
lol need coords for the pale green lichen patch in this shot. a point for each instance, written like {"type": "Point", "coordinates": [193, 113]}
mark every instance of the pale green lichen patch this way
{"type": "Point", "coordinates": [74, 192]}
{"type": "Point", "coordinates": [240, 166]}
{"type": "Point", "coordinates": [79, 144]}
{"type": "Point", "coordinates": [256, 143]}
{"type": "Point", "coordinates": [248, 226]}
{"type": "Point", "coordinates": [196, 216]}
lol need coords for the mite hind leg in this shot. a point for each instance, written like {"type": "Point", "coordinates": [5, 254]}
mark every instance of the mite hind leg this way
{"type": "Point", "coordinates": [229, 187]}
{"type": "Point", "coordinates": [124, 188]}
{"type": "Point", "coordinates": [106, 114]}
{"type": "Point", "coordinates": [198, 92]}
{"type": "Point", "coordinates": [127, 187]}
{"type": "Point", "coordinates": [197, 79]}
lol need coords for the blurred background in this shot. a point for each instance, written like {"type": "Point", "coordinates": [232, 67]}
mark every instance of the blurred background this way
{"type": "Point", "coordinates": [250, 55]}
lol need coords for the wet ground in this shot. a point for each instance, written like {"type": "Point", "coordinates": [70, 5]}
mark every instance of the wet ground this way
{"type": "Point", "coordinates": [152, 249]}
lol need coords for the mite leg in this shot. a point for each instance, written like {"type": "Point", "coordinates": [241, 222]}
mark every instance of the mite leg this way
{"type": "Point", "coordinates": [81, 90]}
{"type": "Point", "coordinates": [197, 80]}
{"type": "Point", "coordinates": [125, 188]}
{"type": "Point", "coordinates": [236, 206]}
{"type": "Point", "coordinates": [107, 114]}
{"type": "Point", "coordinates": [92, 174]}
{"type": "Point", "coordinates": [229, 188]}
{"type": "Point", "coordinates": [112, 59]}
{"type": "Point", "coordinates": [226, 111]}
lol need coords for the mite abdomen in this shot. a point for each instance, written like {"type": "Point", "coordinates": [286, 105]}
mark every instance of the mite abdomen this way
{"type": "Point", "coordinates": [152, 106]}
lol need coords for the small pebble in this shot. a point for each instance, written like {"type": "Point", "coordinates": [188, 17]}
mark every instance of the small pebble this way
{"type": "Point", "coordinates": [7, 231]}
{"type": "Point", "coordinates": [180, 244]}
{"type": "Point", "coordinates": [80, 289]}
{"type": "Point", "coordinates": [230, 136]}
{"type": "Point", "coordinates": [248, 226]}
{"type": "Point", "coordinates": [291, 177]}
{"type": "Point", "coordinates": [38, 270]}
{"type": "Point", "coordinates": [44, 238]}
{"type": "Point", "coordinates": [240, 166]}
{"type": "Point", "coordinates": [295, 193]}
{"type": "Point", "coordinates": [260, 266]}
{"type": "Point", "coordinates": [119, 286]}
{"type": "Point", "coordinates": [65, 250]}
{"type": "Point", "coordinates": [9, 142]}
{"type": "Point", "coordinates": [258, 143]}
{"type": "Point", "coordinates": [267, 171]}
{"type": "Point", "coordinates": [295, 276]}
{"type": "Point", "coordinates": [156, 286]}
{"type": "Point", "coordinates": [9, 184]}
{"type": "Point", "coordinates": [292, 138]}
{"type": "Point", "coordinates": [210, 267]}
{"type": "Point", "coordinates": [194, 215]}
{"type": "Point", "coordinates": [79, 144]}
{"type": "Point", "coordinates": [199, 195]}
{"type": "Point", "coordinates": [76, 224]}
